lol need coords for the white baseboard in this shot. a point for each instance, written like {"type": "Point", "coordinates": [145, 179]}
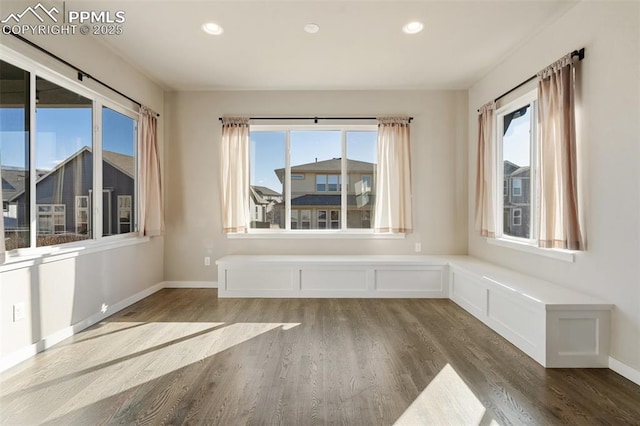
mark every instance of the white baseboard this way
{"type": "Point", "coordinates": [624, 370]}
{"type": "Point", "coordinates": [190, 284]}
{"type": "Point", "coordinates": [27, 352]}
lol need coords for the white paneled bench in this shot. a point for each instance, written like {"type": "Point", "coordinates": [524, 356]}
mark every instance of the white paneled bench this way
{"type": "Point", "coordinates": [556, 326]}
{"type": "Point", "coordinates": [332, 276]}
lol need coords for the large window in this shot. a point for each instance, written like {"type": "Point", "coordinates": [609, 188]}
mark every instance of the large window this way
{"type": "Point", "coordinates": [74, 177]}
{"type": "Point", "coordinates": [517, 151]}
{"type": "Point", "coordinates": [64, 155]}
{"type": "Point", "coordinates": [14, 155]}
{"type": "Point", "coordinates": [313, 178]}
{"type": "Point", "coordinates": [118, 171]}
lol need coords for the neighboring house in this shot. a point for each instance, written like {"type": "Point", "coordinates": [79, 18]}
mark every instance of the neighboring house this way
{"type": "Point", "coordinates": [316, 195]}
{"type": "Point", "coordinates": [13, 183]}
{"type": "Point", "coordinates": [64, 196]}
{"type": "Point", "coordinates": [517, 200]}
{"type": "Point", "coordinates": [261, 206]}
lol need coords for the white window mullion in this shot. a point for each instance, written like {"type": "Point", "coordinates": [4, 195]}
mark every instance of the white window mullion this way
{"type": "Point", "coordinates": [499, 189]}
{"type": "Point", "coordinates": [533, 174]}
{"type": "Point", "coordinates": [287, 181]}
{"type": "Point", "coordinates": [33, 174]}
{"type": "Point", "coordinates": [344, 187]}
{"type": "Point", "coordinates": [97, 170]}
{"type": "Point", "coordinates": [135, 214]}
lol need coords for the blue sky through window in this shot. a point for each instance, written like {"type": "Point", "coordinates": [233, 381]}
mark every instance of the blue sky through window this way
{"type": "Point", "coordinates": [516, 142]}
{"type": "Point", "coordinates": [268, 151]}
{"type": "Point", "coordinates": [61, 132]}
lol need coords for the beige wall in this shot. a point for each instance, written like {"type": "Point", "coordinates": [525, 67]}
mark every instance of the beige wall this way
{"type": "Point", "coordinates": [194, 228]}
{"type": "Point", "coordinates": [58, 294]}
{"type": "Point", "coordinates": [610, 117]}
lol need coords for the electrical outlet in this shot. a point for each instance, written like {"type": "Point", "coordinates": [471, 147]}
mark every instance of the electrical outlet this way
{"type": "Point", "coordinates": [207, 261]}
{"type": "Point", "coordinates": [418, 247]}
{"type": "Point", "coordinates": [18, 311]}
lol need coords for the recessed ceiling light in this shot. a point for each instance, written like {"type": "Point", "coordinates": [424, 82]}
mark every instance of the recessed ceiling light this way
{"type": "Point", "coordinates": [212, 28]}
{"type": "Point", "coordinates": [312, 28]}
{"type": "Point", "coordinates": [412, 27]}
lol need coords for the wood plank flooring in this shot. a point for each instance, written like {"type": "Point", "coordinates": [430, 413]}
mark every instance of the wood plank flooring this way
{"type": "Point", "coordinates": [183, 356]}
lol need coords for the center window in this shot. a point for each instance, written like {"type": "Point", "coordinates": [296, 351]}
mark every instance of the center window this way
{"type": "Point", "coordinates": [312, 178]}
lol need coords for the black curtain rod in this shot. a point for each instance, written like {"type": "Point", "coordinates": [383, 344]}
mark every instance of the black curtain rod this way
{"type": "Point", "coordinates": [578, 53]}
{"type": "Point", "coordinates": [315, 119]}
{"type": "Point", "coordinates": [81, 73]}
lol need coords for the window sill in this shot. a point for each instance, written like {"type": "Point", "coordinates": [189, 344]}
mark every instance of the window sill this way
{"type": "Point", "coordinates": [564, 255]}
{"type": "Point", "coordinates": [24, 258]}
{"type": "Point", "coordinates": [283, 235]}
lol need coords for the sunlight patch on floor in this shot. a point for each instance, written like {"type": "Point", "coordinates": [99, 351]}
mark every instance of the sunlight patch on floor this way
{"type": "Point", "coordinates": [447, 400]}
{"type": "Point", "coordinates": [130, 368]}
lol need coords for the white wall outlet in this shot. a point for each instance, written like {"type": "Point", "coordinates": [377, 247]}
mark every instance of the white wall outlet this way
{"type": "Point", "coordinates": [18, 311]}
{"type": "Point", "coordinates": [207, 261]}
{"type": "Point", "coordinates": [418, 247]}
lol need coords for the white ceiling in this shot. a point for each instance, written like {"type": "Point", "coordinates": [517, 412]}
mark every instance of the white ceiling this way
{"type": "Point", "coordinates": [360, 44]}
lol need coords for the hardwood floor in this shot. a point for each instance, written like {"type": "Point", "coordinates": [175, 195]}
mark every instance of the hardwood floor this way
{"type": "Point", "coordinates": [184, 356]}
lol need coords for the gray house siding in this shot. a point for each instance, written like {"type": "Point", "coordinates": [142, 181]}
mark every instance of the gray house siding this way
{"type": "Point", "coordinates": [74, 178]}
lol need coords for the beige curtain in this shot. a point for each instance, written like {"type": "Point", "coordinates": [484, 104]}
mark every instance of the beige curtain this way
{"type": "Point", "coordinates": [235, 174]}
{"type": "Point", "coordinates": [149, 175]}
{"type": "Point", "coordinates": [393, 196]}
{"type": "Point", "coordinates": [559, 225]}
{"type": "Point", "coordinates": [485, 216]}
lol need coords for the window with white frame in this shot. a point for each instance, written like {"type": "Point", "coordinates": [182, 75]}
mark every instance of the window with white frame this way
{"type": "Point", "coordinates": [517, 187]}
{"type": "Point", "coordinates": [124, 214]}
{"type": "Point", "coordinates": [119, 133]}
{"type": "Point", "coordinates": [306, 166]}
{"type": "Point", "coordinates": [517, 160]}
{"type": "Point", "coordinates": [52, 219]}
{"type": "Point", "coordinates": [516, 217]}
{"type": "Point", "coordinates": [322, 219]}
{"type": "Point", "coordinates": [82, 214]}
{"type": "Point", "coordinates": [56, 167]}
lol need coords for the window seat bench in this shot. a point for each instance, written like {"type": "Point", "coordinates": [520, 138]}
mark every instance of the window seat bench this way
{"type": "Point", "coordinates": [364, 276]}
{"type": "Point", "coordinates": [554, 325]}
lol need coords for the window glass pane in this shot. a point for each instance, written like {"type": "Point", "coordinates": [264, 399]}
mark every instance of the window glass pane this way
{"type": "Point", "coordinates": [14, 155]}
{"type": "Point", "coordinates": [335, 219]}
{"type": "Point", "coordinates": [321, 183]}
{"type": "Point", "coordinates": [516, 154]}
{"type": "Point", "coordinates": [305, 219]}
{"type": "Point", "coordinates": [332, 183]}
{"type": "Point", "coordinates": [316, 154]}
{"type": "Point", "coordinates": [64, 159]}
{"type": "Point", "coordinates": [118, 169]}
{"type": "Point", "coordinates": [361, 165]}
{"type": "Point", "coordinates": [266, 200]}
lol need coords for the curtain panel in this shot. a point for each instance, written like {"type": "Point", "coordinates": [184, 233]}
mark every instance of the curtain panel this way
{"type": "Point", "coordinates": [485, 217]}
{"type": "Point", "coordinates": [393, 209]}
{"type": "Point", "coordinates": [558, 216]}
{"type": "Point", "coordinates": [150, 184]}
{"type": "Point", "coordinates": [235, 174]}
